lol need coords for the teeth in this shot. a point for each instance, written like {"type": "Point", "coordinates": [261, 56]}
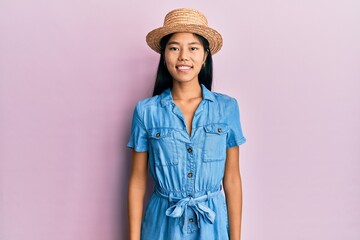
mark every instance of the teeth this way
{"type": "Point", "coordinates": [183, 67]}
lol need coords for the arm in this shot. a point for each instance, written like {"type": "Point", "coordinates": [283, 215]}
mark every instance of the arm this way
{"type": "Point", "coordinates": [136, 194]}
{"type": "Point", "coordinates": [233, 191]}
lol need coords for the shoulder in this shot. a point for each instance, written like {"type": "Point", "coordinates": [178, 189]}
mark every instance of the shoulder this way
{"type": "Point", "coordinates": [147, 103]}
{"type": "Point", "coordinates": [227, 106]}
{"type": "Point", "coordinates": [224, 99]}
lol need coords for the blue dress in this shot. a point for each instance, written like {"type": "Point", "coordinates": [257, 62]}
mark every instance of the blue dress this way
{"type": "Point", "coordinates": [187, 202]}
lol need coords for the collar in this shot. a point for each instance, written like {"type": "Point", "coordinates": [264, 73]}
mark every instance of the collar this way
{"type": "Point", "coordinates": [166, 96]}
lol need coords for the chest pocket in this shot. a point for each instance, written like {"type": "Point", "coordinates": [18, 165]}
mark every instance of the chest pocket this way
{"type": "Point", "coordinates": [163, 146]}
{"type": "Point", "coordinates": [215, 142]}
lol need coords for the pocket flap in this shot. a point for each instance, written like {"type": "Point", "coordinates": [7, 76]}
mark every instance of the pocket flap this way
{"type": "Point", "coordinates": [160, 132]}
{"type": "Point", "coordinates": [216, 128]}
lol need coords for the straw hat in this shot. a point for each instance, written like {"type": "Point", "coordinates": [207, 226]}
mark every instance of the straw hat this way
{"type": "Point", "coordinates": [185, 20]}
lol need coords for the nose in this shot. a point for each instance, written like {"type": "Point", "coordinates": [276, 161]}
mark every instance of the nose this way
{"type": "Point", "coordinates": [183, 55]}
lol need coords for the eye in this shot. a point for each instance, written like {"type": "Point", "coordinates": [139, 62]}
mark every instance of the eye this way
{"type": "Point", "coordinates": [194, 48]}
{"type": "Point", "coordinates": [173, 49]}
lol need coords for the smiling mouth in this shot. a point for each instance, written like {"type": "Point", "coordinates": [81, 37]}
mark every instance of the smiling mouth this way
{"type": "Point", "coordinates": [183, 67]}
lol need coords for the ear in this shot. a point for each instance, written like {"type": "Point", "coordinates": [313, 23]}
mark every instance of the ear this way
{"type": "Point", "coordinates": [205, 56]}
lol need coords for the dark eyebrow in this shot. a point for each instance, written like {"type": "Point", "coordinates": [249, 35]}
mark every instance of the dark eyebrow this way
{"type": "Point", "coordinates": [191, 43]}
{"type": "Point", "coordinates": [169, 43]}
{"type": "Point", "coordinates": [194, 43]}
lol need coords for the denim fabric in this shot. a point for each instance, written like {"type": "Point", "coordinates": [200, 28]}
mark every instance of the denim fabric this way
{"type": "Point", "coordinates": [187, 170]}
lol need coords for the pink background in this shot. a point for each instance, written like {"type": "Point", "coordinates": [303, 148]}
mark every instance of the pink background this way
{"type": "Point", "coordinates": [72, 71]}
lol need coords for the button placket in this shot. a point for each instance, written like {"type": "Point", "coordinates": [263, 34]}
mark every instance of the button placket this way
{"type": "Point", "coordinates": [190, 166]}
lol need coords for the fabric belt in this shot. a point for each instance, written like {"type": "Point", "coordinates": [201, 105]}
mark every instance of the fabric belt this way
{"type": "Point", "coordinates": [179, 209]}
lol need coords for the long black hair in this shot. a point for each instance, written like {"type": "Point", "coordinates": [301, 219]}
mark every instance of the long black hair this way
{"type": "Point", "coordinates": [163, 77]}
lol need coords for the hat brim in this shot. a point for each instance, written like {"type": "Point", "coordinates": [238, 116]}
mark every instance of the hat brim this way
{"type": "Point", "coordinates": [214, 38]}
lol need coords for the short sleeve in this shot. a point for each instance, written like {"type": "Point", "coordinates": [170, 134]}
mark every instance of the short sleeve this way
{"type": "Point", "coordinates": [138, 134]}
{"type": "Point", "coordinates": [235, 135]}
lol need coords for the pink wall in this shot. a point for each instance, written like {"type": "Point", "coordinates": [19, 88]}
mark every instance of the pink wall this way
{"type": "Point", "coordinates": [71, 72]}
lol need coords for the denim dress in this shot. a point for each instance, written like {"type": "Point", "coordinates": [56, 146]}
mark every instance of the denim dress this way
{"type": "Point", "coordinates": [187, 202]}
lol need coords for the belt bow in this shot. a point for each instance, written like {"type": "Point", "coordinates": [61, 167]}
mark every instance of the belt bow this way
{"type": "Point", "coordinates": [179, 209]}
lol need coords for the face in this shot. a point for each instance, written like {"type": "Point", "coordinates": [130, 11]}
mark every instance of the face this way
{"type": "Point", "coordinates": [184, 57]}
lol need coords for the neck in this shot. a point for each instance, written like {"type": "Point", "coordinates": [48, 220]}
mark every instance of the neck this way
{"type": "Point", "coordinates": [186, 91]}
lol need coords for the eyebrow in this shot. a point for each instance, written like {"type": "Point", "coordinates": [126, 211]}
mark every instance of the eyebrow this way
{"type": "Point", "coordinates": [177, 43]}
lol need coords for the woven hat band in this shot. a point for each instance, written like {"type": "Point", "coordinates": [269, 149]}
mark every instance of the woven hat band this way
{"type": "Point", "coordinates": [185, 17]}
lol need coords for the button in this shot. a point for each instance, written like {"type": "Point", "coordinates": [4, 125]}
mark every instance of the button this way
{"type": "Point", "coordinates": [191, 220]}
{"type": "Point", "coordinates": [190, 174]}
{"type": "Point", "coordinates": [189, 150]}
{"type": "Point", "coordinates": [219, 130]}
{"type": "Point", "coordinates": [158, 134]}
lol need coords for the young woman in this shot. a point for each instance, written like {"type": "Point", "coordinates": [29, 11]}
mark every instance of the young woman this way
{"type": "Point", "coordinates": [189, 138]}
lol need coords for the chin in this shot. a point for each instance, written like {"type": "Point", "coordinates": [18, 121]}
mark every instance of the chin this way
{"type": "Point", "coordinates": [184, 80]}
